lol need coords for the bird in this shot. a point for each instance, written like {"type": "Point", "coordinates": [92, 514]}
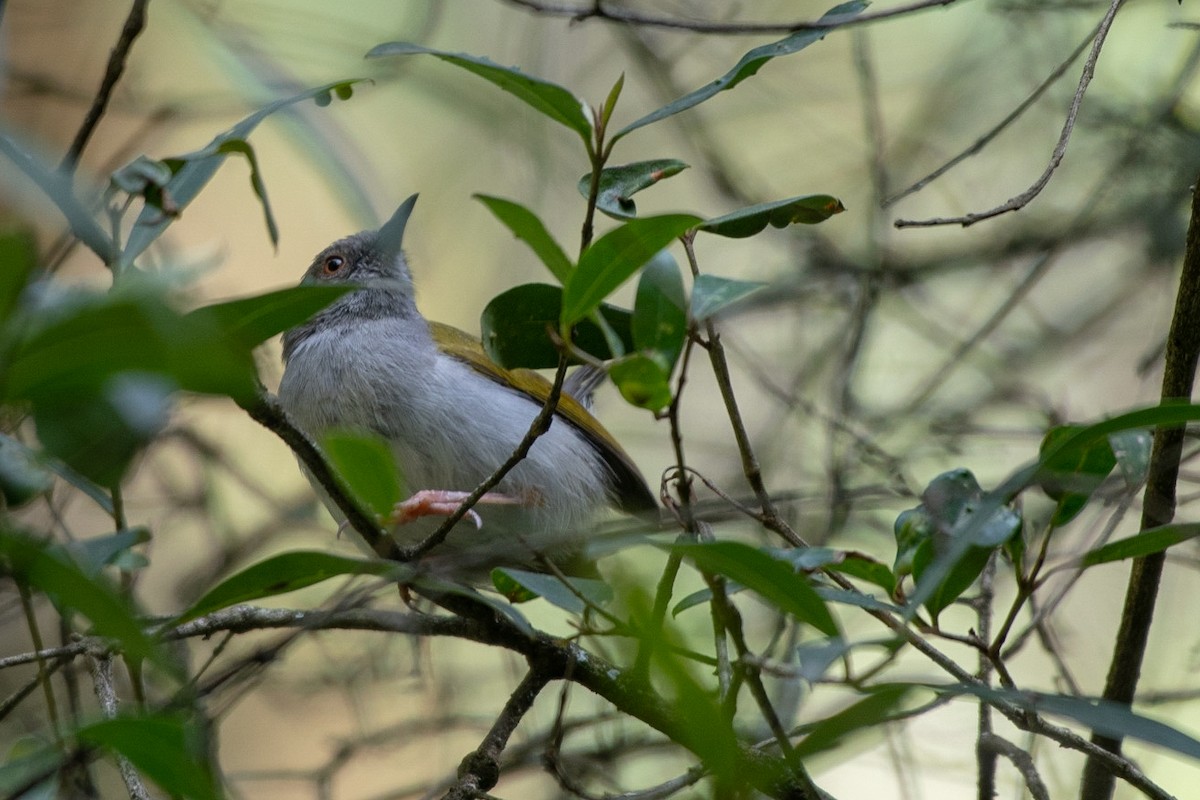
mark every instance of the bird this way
{"type": "Point", "coordinates": [371, 362]}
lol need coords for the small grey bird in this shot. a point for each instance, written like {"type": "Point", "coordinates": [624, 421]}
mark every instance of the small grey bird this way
{"type": "Point", "coordinates": [370, 361]}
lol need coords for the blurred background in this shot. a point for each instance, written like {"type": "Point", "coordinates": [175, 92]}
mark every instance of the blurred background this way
{"type": "Point", "coordinates": [877, 358]}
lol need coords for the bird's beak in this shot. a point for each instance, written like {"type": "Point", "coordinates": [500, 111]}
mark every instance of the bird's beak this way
{"type": "Point", "coordinates": [391, 235]}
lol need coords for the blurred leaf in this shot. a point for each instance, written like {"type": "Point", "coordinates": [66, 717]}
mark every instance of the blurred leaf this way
{"type": "Point", "coordinates": [18, 259]}
{"type": "Point", "coordinates": [58, 188]}
{"type": "Point", "coordinates": [807, 210]}
{"type": "Point", "coordinates": [618, 185]}
{"type": "Point", "coordinates": [75, 343]}
{"type": "Point", "coordinates": [166, 748]}
{"type": "Point", "coordinates": [615, 257]}
{"type": "Point", "coordinates": [515, 325]}
{"type": "Point", "coordinates": [642, 381]}
{"type": "Point", "coordinates": [550, 99]}
{"type": "Point", "coordinates": [98, 494]}
{"type": "Point", "coordinates": [749, 64]}
{"type": "Point", "coordinates": [368, 468]}
{"type": "Point", "coordinates": [100, 551]}
{"type": "Point", "coordinates": [1153, 540]}
{"type": "Point", "coordinates": [1102, 716]}
{"type": "Point", "coordinates": [510, 588]}
{"type": "Point", "coordinates": [100, 433]}
{"type": "Point", "coordinates": [250, 321]}
{"type": "Point", "coordinates": [857, 599]}
{"type": "Point", "coordinates": [712, 294]}
{"type": "Point", "coordinates": [242, 147]}
{"type": "Point", "coordinates": [30, 758]}
{"type": "Point", "coordinates": [526, 226]}
{"type": "Point", "coordinates": [285, 573]}
{"type": "Point", "coordinates": [877, 707]}
{"type": "Point", "coordinates": [660, 325]}
{"type": "Point", "coordinates": [23, 476]}
{"type": "Point", "coordinates": [770, 577]}
{"type": "Point", "coordinates": [46, 568]}
{"type": "Point", "coordinates": [193, 171]}
{"type": "Point", "coordinates": [557, 592]}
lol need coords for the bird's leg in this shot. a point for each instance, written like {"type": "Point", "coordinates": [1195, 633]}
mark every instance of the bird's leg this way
{"type": "Point", "coordinates": [440, 502]}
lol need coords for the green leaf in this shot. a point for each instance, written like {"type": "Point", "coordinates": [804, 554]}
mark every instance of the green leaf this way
{"type": "Point", "coordinates": [59, 189]}
{"type": "Point", "coordinates": [23, 476]}
{"type": "Point", "coordinates": [1072, 474]}
{"type": "Point", "coordinates": [877, 707]}
{"type": "Point", "coordinates": [526, 226]}
{"type": "Point", "coordinates": [1132, 450]}
{"type": "Point", "coordinates": [1153, 540]}
{"type": "Point", "coordinates": [660, 324]}
{"type": "Point", "coordinates": [98, 495]}
{"type": "Point", "coordinates": [770, 577]}
{"type": "Point", "coordinates": [18, 259]}
{"type": "Point", "coordinates": [615, 257]}
{"type": "Point", "coordinates": [28, 759]}
{"type": "Point", "coordinates": [749, 64]}
{"type": "Point", "coordinates": [167, 748]}
{"type": "Point", "coordinates": [548, 98]}
{"type": "Point", "coordinates": [618, 185]}
{"type": "Point", "coordinates": [863, 567]}
{"type": "Point", "coordinates": [950, 587]}
{"type": "Point", "coordinates": [368, 468]}
{"type": "Point", "coordinates": [807, 210]}
{"type": "Point", "coordinates": [99, 433]}
{"type": "Point", "coordinates": [712, 294]}
{"type": "Point", "coordinates": [48, 569]}
{"type": "Point", "coordinates": [557, 591]}
{"type": "Point", "coordinates": [285, 573]}
{"type": "Point", "coordinates": [250, 321]}
{"type": "Point", "coordinates": [643, 381]}
{"type": "Point", "coordinates": [515, 325]}
{"type": "Point", "coordinates": [1102, 716]}
{"type": "Point", "coordinates": [100, 551]}
{"type": "Point", "coordinates": [193, 171]}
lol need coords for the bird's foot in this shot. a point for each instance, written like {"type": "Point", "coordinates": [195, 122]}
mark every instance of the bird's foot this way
{"type": "Point", "coordinates": [440, 502]}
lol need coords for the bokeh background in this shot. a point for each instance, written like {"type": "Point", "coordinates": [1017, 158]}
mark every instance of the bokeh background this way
{"type": "Point", "coordinates": [877, 358]}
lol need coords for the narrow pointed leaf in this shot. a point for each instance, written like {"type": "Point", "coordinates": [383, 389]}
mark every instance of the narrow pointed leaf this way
{"type": "Point", "coordinates": [615, 257]}
{"type": "Point", "coordinates": [558, 591]}
{"type": "Point", "coordinates": [194, 170]}
{"type": "Point", "coordinates": [166, 748]}
{"type": "Point", "coordinates": [1154, 540]}
{"type": "Point", "coordinates": [877, 707]}
{"type": "Point", "coordinates": [749, 64]}
{"type": "Point", "coordinates": [807, 210]}
{"type": "Point", "coordinates": [284, 573]}
{"type": "Point", "coordinates": [549, 98]}
{"type": "Point", "coordinates": [526, 226]}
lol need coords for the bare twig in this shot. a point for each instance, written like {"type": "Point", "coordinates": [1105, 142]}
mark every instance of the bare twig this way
{"type": "Point", "coordinates": [134, 24]}
{"type": "Point", "coordinates": [1020, 759]}
{"type": "Point", "coordinates": [1060, 148]}
{"type": "Point", "coordinates": [625, 15]}
{"type": "Point", "coordinates": [106, 694]}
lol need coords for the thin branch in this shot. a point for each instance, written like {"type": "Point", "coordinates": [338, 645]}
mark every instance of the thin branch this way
{"type": "Point", "coordinates": [625, 15]}
{"type": "Point", "coordinates": [134, 24]}
{"type": "Point", "coordinates": [1158, 506]}
{"type": "Point", "coordinates": [1060, 149]}
{"type": "Point", "coordinates": [106, 694]}
{"type": "Point", "coordinates": [480, 770]}
{"type": "Point", "coordinates": [984, 140]}
{"type": "Point", "coordinates": [1020, 759]}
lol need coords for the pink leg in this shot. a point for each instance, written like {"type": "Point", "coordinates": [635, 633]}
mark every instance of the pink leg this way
{"type": "Point", "coordinates": [440, 502]}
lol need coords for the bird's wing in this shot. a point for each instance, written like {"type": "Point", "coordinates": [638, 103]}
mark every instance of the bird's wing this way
{"type": "Point", "coordinates": [630, 488]}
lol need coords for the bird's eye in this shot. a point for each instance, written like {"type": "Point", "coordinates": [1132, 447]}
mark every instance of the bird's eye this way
{"type": "Point", "coordinates": [333, 264]}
